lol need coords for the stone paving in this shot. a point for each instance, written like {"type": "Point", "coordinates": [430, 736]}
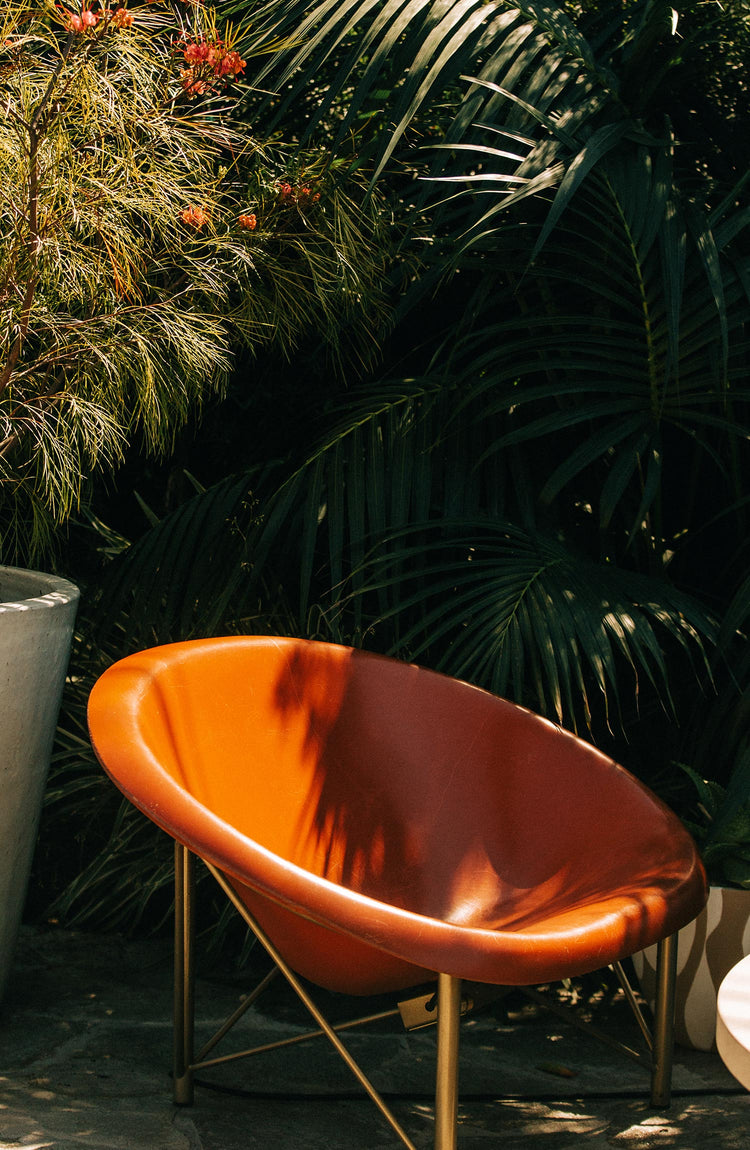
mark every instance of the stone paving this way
{"type": "Point", "coordinates": [85, 1058]}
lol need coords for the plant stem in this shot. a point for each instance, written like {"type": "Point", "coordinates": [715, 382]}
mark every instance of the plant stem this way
{"type": "Point", "coordinates": [15, 350]}
{"type": "Point", "coordinates": [34, 239]}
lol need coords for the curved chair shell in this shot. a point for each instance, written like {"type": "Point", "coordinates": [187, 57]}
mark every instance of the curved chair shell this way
{"type": "Point", "coordinates": [383, 822]}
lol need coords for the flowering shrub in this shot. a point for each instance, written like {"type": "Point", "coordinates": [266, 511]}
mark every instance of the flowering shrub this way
{"type": "Point", "coordinates": [141, 242]}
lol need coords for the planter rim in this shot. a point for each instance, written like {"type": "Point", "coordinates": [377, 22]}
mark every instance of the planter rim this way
{"type": "Point", "coordinates": [34, 590]}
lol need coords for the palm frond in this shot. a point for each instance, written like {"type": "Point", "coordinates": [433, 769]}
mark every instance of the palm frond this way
{"type": "Point", "coordinates": [529, 617]}
{"type": "Point", "coordinates": [415, 52]}
{"type": "Point", "coordinates": [183, 578]}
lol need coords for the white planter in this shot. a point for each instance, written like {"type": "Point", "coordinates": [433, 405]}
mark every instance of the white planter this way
{"type": "Point", "coordinates": [37, 613]}
{"type": "Point", "coordinates": [707, 949]}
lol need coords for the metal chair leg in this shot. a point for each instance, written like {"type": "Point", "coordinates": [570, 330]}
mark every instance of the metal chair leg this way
{"type": "Point", "coordinates": [184, 977]}
{"type": "Point", "coordinates": [663, 1033]}
{"type": "Point", "coordinates": [305, 998]}
{"type": "Point", "coordinates": [446, 1084]}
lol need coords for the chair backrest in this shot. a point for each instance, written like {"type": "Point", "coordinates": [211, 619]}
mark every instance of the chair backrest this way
{"type": "Point", "coordinates": [333, 780]}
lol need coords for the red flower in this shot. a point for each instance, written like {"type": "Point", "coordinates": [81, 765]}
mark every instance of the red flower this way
{"type": "Point", "coordinates": [121, 18]}
{"type": "Point", "coordinates": [213, 58]}
{"type": "Point", "coordinates": [195, 53]}
{"type": "Point", "coordinates": [231, 64]}
{"type": "Point", "coordinates": [250, 222]}
{"type": "Point", "coordinates": [192, 86]}
{"type": "Point", "coordinates": [194, 217]}
{"type": "Point", "coordinates": [79, 22]}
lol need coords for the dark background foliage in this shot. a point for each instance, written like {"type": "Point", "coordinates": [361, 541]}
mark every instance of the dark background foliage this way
{"type": "Point", "coordinates": [536, 475]}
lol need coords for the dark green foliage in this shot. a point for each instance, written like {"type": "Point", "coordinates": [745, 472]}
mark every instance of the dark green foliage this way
{"type": "Point", "coordinates": [723, 831]}
{"type": "Point", "coordinates": [542, 486]}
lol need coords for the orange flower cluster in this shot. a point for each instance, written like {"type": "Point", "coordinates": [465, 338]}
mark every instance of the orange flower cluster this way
{"type": "Point", "coordinates": [121, 18]}
{"type": "Point", "coordinates": [81, 21]}
{"type": "Point", "coordinates": [194, 217]}
{"type": "Point", "coordinates": [302, 195]}
{"type": "Point", "coordinates": [85, 20]}
{"type": "Point", "coordinates": [249, 222]}
{"type": "Point", "coordinates": [208, 61]}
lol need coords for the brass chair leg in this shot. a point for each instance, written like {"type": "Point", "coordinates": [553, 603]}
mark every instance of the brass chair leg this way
{"type": "Point", "coordinates": [184, 977]}
{"type": "Point", "coordinates": [308, 1002]}
{"type": "Point", "coordinates": [446, 1084]}
{"type": "Point", "coordinates": [663, 1034]}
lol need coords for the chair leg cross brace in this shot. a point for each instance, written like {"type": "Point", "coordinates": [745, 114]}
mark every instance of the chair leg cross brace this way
{"type": "Point", "coordinates": [448, 1020]}
{"type": "Point", "coordinates": [321, 1020]}
{"type": "Point", "coordinates": [183, 1068]}
{"type": "Point", "coordinates": [659, 1037]}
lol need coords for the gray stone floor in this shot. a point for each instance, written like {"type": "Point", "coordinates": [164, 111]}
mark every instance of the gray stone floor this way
{"type": "Point", "coordinates": [85, 1057]}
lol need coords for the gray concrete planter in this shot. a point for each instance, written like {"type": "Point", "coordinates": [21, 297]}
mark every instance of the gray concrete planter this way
{"type": "Point", "coordinates": [37, 613]}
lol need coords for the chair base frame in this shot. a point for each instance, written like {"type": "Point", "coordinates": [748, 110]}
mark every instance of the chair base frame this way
{"type": "Point", "coordinates": [660, 1040]}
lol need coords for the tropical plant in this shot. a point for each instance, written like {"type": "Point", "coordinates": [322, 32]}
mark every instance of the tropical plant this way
{"type": "Point", "coordinates": [551, 498]}
{"type": "Point", "coordinates": [589, 395]}
{"type": "Point", "coordinates": [721, 826]}
{"type": "Point", "coordinates": [589, 398]}
{"type": "Point", "coordinates": [715, 741]}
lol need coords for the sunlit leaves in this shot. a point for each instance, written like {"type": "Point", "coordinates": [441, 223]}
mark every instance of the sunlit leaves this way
{"type": "Point", "coordinates": [127, 282]}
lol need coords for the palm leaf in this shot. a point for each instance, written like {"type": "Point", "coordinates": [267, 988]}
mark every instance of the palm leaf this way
{"type": "Point", "coordinates": [654, 342]}
{"type": "Point", "coordinates": [527, 616]}
{"type": "Point", "coordinates": [416, 51]}
{"type": "Point", "coordinates": [183, 576]}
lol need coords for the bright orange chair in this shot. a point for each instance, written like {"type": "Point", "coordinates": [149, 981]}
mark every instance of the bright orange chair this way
{"type": "Point", "coordinates": [378, 824]}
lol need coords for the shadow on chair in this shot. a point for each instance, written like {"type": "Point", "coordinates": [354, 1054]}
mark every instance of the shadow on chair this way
{"type": "Point", "coordinates": [378, 825]}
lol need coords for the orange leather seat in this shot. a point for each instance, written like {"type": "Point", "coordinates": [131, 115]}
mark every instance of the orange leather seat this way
{"type": "Point", "coordinates": [383, 822]}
